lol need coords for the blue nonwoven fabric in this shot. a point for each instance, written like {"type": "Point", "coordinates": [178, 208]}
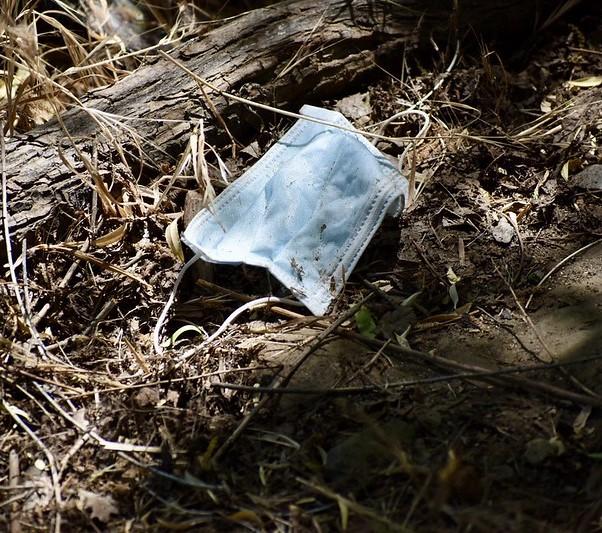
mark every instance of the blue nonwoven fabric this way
{"type": "Point", "coordinates": [305, 211]}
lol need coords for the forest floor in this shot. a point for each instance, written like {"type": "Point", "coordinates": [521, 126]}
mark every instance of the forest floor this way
{"type": "Point", "coordinates": [373, 439]}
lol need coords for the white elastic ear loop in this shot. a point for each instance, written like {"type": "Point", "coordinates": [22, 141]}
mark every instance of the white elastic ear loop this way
{"type": "Point", "coordinates": [253, 304]}
{"type": "Point", "coordinates": [419, 137]}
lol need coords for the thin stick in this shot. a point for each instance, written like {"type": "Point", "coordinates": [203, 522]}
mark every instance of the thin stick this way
{"type": "Point", "coordinates": [551, 355]}
{"type": "Point", "coordinates": [72, 452]}
{"type": "Point", "coordinates": [13, 481]}
{"type": "Point", "coordinates": [244, 423]}
{"type": "Point", "coordinates": [272, 109]}
{"type": "Point", "coordinates": [411, 179]}
{"type": "Point", "coordinates": [558, 265]}
{"type": "Point", "coordinates": [391, 387]}
{"type": "Point", "coordinates": [63, 283]}
{"type": "Point", "coordinates": [521, 245]}
{"type": "Point", "coordinates": [91, 259]}
{"type": "Point", "coordinates": [106, 444]}
{"type": "Point", "coordinates": [527, 319]}
{"type": "Point", "coordinates": [219, 118]}
{"type": "Point", "coordinates": [14, 413]}
{"type": "Point", "coordinates": [188, 481]}
{"type": "Point", "coordinates": [146, 384]}
{"type": "Point", "coordinates": [397, 351]}
{"type": "Point", "coordinates": [586, 50]}
{"type": "Point", "coordinates": [279, 383]}
{"type": "Point", "coordinates": [321, 337]}
{"type": "Point", "coordinates": [345, 503]}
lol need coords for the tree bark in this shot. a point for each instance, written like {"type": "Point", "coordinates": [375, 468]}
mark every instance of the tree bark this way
{"type": "Point", "coordinates": [344, 41]}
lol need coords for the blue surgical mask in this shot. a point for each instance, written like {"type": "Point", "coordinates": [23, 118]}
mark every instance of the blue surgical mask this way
{"type": "Point", "coordinates": [305, 211]}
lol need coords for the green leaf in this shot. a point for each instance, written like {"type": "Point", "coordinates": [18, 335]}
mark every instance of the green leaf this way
{"type": "Point", "coordinates": [185, 329]}
{"type": "Point", "coordinates": [365, 322]}
{"type": "Point", "coordinates": [597, 456]}
{"type": "Point", "coordinates": [344, 510]}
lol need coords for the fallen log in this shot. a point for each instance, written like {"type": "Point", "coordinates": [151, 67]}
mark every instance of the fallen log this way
{"type": "Point", "coordinates": [345, 41]}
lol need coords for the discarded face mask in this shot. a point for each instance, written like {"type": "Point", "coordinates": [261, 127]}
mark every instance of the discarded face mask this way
{"type": "Point", "coordinates": [305, 211]}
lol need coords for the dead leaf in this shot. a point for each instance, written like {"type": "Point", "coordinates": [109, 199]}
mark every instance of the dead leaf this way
{"type": "Point", "coordinates": [503, 232]}
{"type": "Point", "coordinates": [452, 277]}
{"type": "Point", "coordinates": [252, 150]}
{"type": "Point", "coordinates": [112, 237]}
{"type": "Point", "coordinates": [246, 516]}
{"type": "Point", "coordinates": [453, 294]}
{"type": "Point", "coordinates": [569, 168]}
{"type": "Point", "coordinates": [589, 81]}
{"type": "Point", "coordinates": [581, 420]}
{"type": "Point", "coordinates": [100, 507]}
{"type": "Point", "coordinates": [344, 510]}
{"type": "Point", "coordinates": [172, 236]}
{"type": "Point", "coordinates": [589, 178]}
{"type": "Point", "coordinates": [355, 107]}
{"type": "Point", "coordinates": [545, 106]}
{"type": "Point", "coordinates": [458, 480]}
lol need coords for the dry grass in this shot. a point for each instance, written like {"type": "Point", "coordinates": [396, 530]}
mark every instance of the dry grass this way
{"type": "Point", "coordinates": [53, 51]}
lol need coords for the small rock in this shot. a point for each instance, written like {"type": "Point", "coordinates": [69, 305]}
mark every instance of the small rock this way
{"type": "Point", "coordinates": [355, 107]}
{"type": "Point", "coordinates": [146, 397]}
{"type": "Point", "coordinates": [503, 232]}
{"type": "Point", "coordinates": [589, 178]}
{"type": "Point", "coordinates": [100, 506]}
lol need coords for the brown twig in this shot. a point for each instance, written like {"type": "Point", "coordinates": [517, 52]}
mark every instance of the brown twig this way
{"type": "Point", "coordinates": [345, 505]}
{"type": "Point", "coordinates": [427, 263]}
{"type": "Point", "coordinates": [280, 383]}
{"type": "Point", "coordinates": [146, 384]}
{"type": "Point", "coordinates": [559, 264]}
{"type": "Point", "coordinates": [91, 259]}
{"type": "Point", "coordinates": [551, 355]}
{"type": "Point", "coordinates": [62, 284]}
{"type": "Point", "coordinates": [15, 414]}
{"type": "Point", "coordinates": [393, 387]}
{"type": "Point", "coordinates": [321, 337]}
{"type": "Point", "coordinates": [521, 244]}
{"type": "Point", "coordinates": [13, 482]}
{"type": "Point", "coordinates": [505, 381]}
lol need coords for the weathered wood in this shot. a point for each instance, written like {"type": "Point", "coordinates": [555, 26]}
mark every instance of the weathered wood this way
{"type": "Point", "coordinates": [345, 41]}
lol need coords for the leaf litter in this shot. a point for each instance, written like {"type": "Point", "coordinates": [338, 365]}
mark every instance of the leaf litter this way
{"type": "Point", "coordinates": [295, 422]}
